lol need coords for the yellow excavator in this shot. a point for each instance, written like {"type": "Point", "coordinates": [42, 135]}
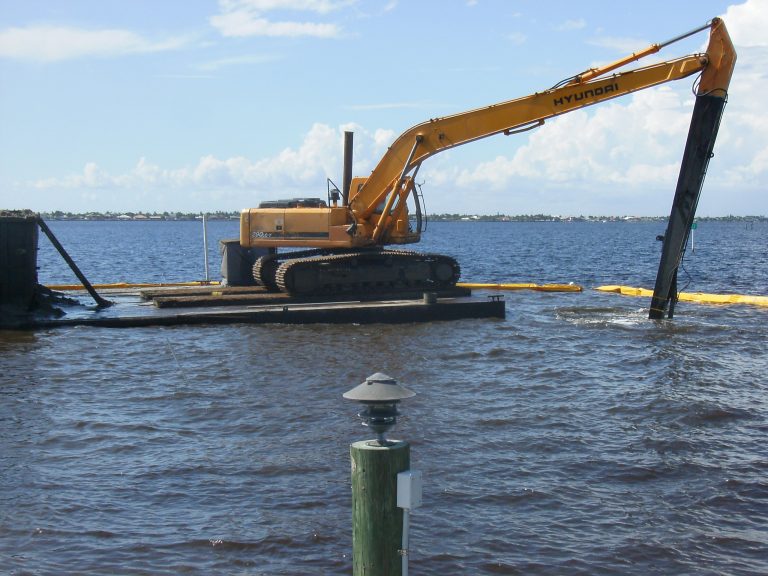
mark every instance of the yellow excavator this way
{"type": "Point", "coordinates": [338, 245]}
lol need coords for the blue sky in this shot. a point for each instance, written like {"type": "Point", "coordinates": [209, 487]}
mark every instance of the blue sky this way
{"type": "Point", "coordinates": [204, 105]}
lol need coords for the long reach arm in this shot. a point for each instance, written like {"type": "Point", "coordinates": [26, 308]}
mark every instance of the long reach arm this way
{"type": "Point", "coordinates": [391, 181]}
{"type": "Point", "coordinates": [711, 96]}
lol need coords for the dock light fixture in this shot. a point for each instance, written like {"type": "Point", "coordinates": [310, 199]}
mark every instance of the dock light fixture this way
{"type": "Point", "coordinates": [379, 394]}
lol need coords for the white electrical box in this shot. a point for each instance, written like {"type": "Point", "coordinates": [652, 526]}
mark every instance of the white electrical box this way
{"type": "Point", "coordinates": [409, 489]}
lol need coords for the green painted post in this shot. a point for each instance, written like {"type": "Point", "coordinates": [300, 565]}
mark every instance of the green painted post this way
{"type": "Point", "coordinates": [377, 522]}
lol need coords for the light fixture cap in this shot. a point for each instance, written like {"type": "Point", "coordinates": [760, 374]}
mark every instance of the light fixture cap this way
{"type": "Point", "coordinates": [379, 389]}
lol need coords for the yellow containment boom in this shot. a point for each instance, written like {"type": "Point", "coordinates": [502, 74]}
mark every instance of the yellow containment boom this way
{"type": "Point", "coordinates": [522, 286]}
{"type": "Point", "coordinates": [126, 285]}
{"type": "Point", "coordinates": [699, 297]}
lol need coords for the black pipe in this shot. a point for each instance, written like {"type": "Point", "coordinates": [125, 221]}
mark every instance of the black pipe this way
{"type": "Point", "coordinates": [100, 302]}
{"type": "Point", "coordinates": [705, 121]}
{"type": "Point", "coordinates": [347, 179]}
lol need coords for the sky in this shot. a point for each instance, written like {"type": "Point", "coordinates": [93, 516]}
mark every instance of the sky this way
{"type": "Point", "coordinates": [205, 105]}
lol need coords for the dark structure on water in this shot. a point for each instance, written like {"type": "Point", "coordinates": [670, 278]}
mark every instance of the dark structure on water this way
{"type": "Point", "coordinates": [18, 260]}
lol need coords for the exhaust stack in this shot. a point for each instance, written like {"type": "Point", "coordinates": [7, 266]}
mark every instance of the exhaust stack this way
{"type": "Point", "coordinates": [347, 178]}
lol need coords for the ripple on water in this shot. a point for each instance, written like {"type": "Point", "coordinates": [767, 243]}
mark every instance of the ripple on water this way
{"type": "Point", "coordinates": [573, 437]}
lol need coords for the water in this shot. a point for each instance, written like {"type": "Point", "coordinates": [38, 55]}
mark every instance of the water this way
{"type": "Point", "coordinates": [573, 437]}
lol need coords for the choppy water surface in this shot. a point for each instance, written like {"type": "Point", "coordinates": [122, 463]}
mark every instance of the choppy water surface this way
{"type": "Point", "coordinates": [573, 437]}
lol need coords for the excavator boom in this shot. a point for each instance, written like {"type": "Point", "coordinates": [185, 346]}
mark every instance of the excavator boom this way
{"type": "Point", "coordinates": [434, 136]}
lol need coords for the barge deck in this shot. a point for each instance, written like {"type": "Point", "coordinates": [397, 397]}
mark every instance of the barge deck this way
{"type": "Point", "coordinates": [252, 305]}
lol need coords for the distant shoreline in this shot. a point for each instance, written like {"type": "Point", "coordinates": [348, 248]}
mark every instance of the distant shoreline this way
{"type": "Point", "coordinates": [179, 216]}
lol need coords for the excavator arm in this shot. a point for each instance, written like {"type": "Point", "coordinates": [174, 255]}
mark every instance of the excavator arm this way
{"type": "Point", "coordinates": [391, 181]}
{"type": "Point", "coordinates": [711, 96]}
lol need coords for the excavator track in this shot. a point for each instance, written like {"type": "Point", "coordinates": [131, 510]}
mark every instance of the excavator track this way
{"type": "Point", "coordinates": [266, 266]}
{"type": "Point", "coordinates": [366, 271]}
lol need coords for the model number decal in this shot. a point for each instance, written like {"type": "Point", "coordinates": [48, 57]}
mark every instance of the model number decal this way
{"type": "Point", "coordinates": [255, 235]}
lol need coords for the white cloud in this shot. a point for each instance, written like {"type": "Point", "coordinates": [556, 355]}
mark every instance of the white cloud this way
{"type": "Point", "coordinates": [303, 168]}
{"type": "Point", "coordinates": [628, 145]}
{"type": "Point", "coordinates": [744, 131]}
{"type": "Point", "coordinates": [245, 60]}
{"type": "Point", "coordinates": [622, 156]}
{"type": "Point", "coordinates": [382, 139]}
{"type": "Point", "coordinates": [239, 18]}
{"type": "Point", "coordinates": [747, 23]}
{"type": "Point", "coordinates": [319, 6]}
{"type": "Point", "coordinates": [238, 24]}
{"type": "Point", "coordinates": [572, 25]}
{"type": "Point", "coordinates": [386, 106]}
{"type": "Point", "coordinates": [55, 43]}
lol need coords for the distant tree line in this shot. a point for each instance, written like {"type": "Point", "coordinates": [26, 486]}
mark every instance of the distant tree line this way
{"type": "Point", "coordinates": [59, 215]}
{"type": "Point", "coordinates": [223, 215]}
{"type": "Point", "coordinates": [550, 218]}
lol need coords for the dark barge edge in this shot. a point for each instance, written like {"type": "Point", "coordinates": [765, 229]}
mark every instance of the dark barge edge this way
{"type": "Point", "coordinates": [368, 312]}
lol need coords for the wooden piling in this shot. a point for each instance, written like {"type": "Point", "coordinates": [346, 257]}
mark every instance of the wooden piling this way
{"type": "Point", "coordinates": [377, 522]}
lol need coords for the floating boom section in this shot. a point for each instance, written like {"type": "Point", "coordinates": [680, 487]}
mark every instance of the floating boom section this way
{"type": "Point", "coordinates": [392, 180]}
{"type": "Point", "coordinates": [711, 96]}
